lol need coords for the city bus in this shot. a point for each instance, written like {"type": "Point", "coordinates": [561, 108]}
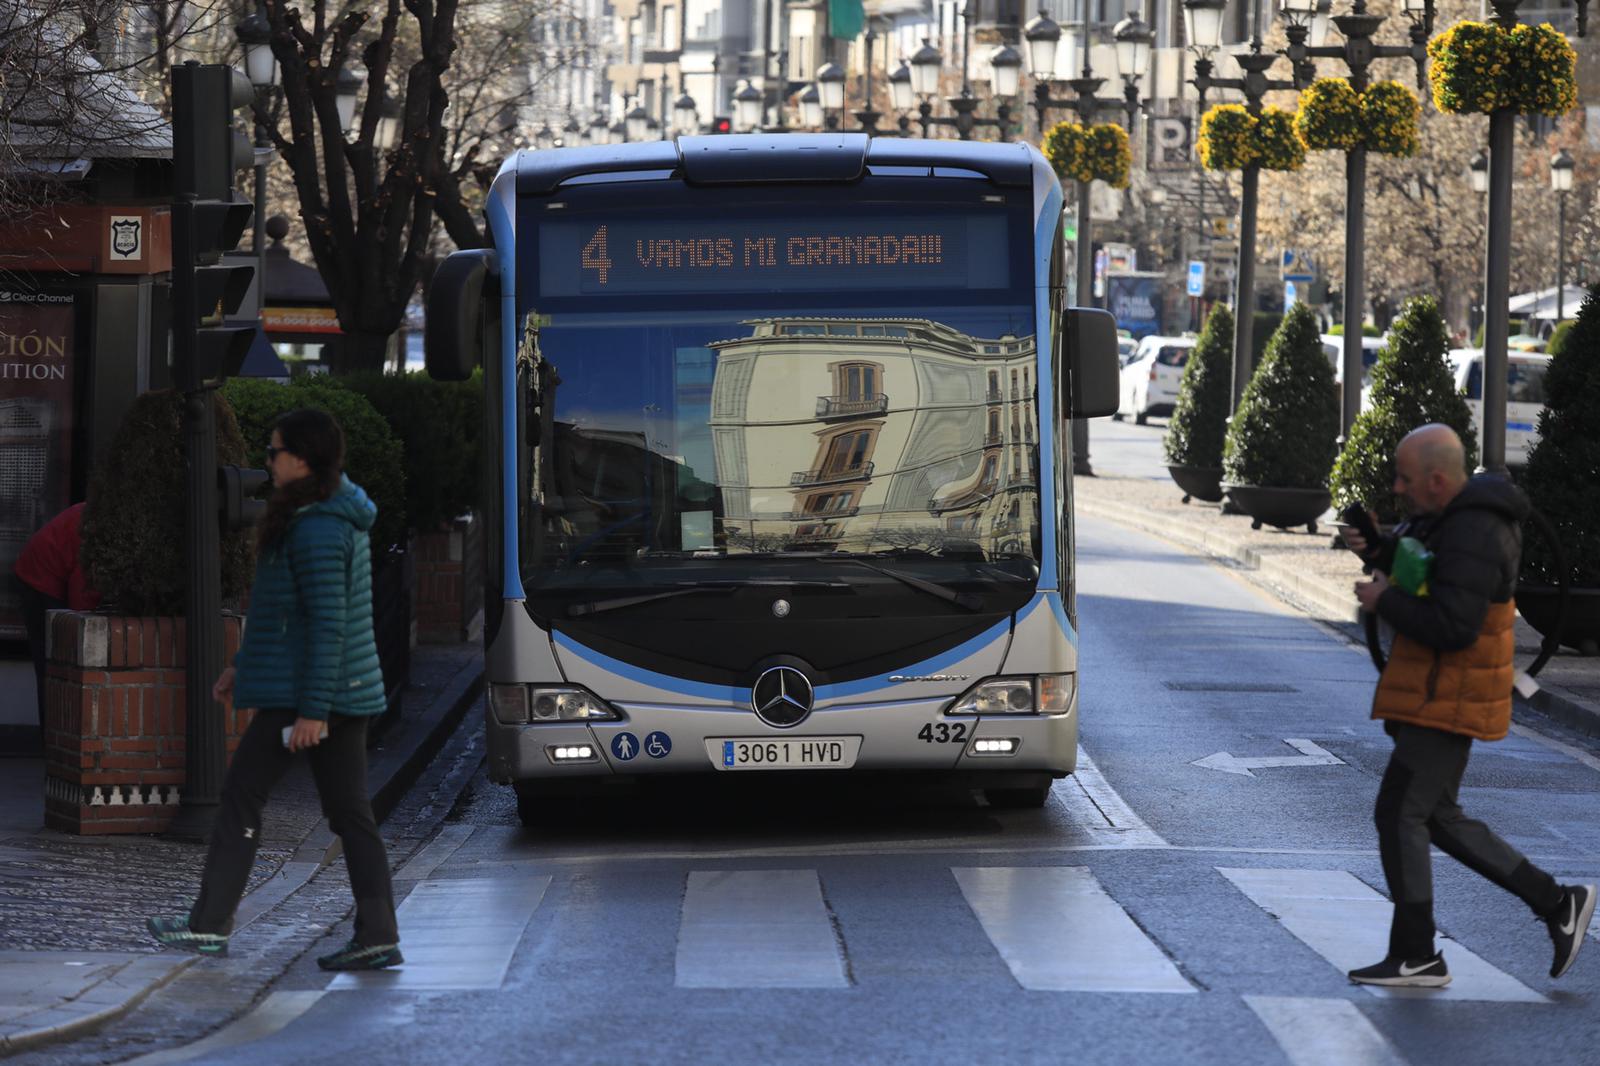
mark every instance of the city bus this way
{"type": "Point", "coordinates": [777, 438]}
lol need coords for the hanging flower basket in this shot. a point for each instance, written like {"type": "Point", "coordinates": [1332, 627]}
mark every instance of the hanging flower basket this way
{"type": "Point", "coordinates": [1079, 153]}
{"type": "Point", "coordinates": [1226, 135]}
{"type": "Point", "coordinates": [1231, 138]}
{"type": "Point", "coordinates": [1543, 71]}
{"type": "Point", "coordinates": [1278, 146]}
{"type": "Point", "coordinates": [1390, 114]}
{"type": "Point", "coordinates": [1479, 67]}
{"type": "Point", "coordinates": [1329, 118]}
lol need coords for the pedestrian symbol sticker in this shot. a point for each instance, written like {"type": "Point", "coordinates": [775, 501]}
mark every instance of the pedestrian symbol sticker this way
{"type": "Point", "coordinates": [657, 745]}
{"type": "Point", "coordinates": [624, 746]}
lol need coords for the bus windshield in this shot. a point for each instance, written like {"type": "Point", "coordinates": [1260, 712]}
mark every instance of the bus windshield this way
{"type": "Point", "coordinates": [748, 396]}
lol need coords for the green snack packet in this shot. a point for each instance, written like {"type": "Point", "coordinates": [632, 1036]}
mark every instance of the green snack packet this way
{"type": "Point", "coordinates": [1413, 564]}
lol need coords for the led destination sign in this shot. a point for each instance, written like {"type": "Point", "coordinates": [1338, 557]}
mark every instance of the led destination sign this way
{"type": "Point", "coordinates": [643, 257]}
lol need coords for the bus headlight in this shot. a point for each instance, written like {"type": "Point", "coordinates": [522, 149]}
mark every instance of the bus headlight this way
{"type": "Point", "coordinates": [1039, 694]}
{"type": "Point", "coordinates": [518, 704]}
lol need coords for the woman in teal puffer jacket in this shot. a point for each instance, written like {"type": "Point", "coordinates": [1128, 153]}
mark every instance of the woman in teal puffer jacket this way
{"type": "Point", "coordinates": [309, 665]}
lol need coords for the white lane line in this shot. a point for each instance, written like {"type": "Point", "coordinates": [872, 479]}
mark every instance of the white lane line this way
{"type": "Point", "coordinates": [456, 934]}
{"type": "Point", "coordinates": [1340, 918]}
{"type": "Point", "coordinates": [1315, 1032]}
{"type": "Point", "coordinates": [275, 1012]}
{"type": "Point", "coordinates": [436, 854]}
{"type": "Point", "coordinates": [1555, 745]}
{"type": "Point", "coordinates": [1096, 806]}
{"type": "Point", "coordinates": [1058, 931]}
{"type": "Point", "coordinates": [757, 929]}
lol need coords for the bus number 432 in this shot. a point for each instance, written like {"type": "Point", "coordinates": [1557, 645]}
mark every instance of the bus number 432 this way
{"type": "Point", "coordinates": [943, 733]}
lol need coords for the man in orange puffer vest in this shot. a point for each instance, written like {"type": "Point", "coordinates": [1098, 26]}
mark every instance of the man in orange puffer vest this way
{"type": "Point", "coordinates": [1447, 682]}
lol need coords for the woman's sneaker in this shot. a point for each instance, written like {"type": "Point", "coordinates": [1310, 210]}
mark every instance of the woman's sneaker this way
{"type": "Point", "coordinates": [1568, 924]}
{"type": "Point", "coordinates": [355, 957]}
{"type": "Point", "coordinates": [1405, 973]}
{"type": "Point", "coordinates": [175, 933]}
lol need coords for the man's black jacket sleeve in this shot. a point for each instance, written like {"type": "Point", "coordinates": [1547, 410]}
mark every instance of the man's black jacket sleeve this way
{"type": "Point", "coordinates": [1473, 552]}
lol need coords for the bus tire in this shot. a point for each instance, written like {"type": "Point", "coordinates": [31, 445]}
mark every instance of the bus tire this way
{"type": "Point", "coordinates": [1017, 799]}
{"type": "Point", "coordinates": [533, 804]}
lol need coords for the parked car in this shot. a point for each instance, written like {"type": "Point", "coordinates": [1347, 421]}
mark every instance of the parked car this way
{"type": "Point", "coordinates": [1127, 348]}
{"type": "Point", "coordinates": [1524, 396]}
{"type": "Point", "coordinates": [1150, 379]}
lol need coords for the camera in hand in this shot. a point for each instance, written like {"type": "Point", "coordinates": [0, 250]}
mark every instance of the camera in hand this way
{"type": "Point", "coordinates": [1357, 518]}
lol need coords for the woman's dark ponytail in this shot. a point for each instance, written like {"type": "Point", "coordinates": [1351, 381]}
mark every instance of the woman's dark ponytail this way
{"type": "Point", "coordinates": [315, 437]}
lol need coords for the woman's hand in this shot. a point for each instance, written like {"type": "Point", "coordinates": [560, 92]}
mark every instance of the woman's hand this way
{"type": "Point", "coordinates": [222, 691]}
{"type": "Point", "coordinates": [307, 733]}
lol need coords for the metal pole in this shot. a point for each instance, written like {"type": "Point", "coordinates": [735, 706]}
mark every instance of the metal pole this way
{"type": "Point", "coordinates": [1497, 290]}
{"type": "Point", "coordinates": [1085, 253]}
{"type": "Point", "coordinates": [1561, 256]}
{"type": "Point", "coordinates": [1244, 319]}
{"type": "Point", "coordinates": [1355, 285]}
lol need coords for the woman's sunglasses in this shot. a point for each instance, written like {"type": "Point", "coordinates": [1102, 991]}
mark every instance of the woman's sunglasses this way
{"type": "Point", "coordinates": [273, 451]}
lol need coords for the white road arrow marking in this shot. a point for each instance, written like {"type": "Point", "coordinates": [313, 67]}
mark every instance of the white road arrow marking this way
{"type": "Point", "coordinates": [1310, 755]}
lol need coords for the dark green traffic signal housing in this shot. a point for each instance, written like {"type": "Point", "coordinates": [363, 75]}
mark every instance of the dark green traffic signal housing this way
{"type": "Point", "coordinates": [238, 491]}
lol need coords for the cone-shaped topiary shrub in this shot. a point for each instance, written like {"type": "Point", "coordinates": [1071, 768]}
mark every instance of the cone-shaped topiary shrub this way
{"type": "Point", "coordinates": [1200, 418]}
{"type": "Point", "coordinates": [1283, 434]}
{"type": "Point", "coordinates": [1563, 473]}
{"type": "Point", "coordinates": [133, 526]}
{"type": "Point", "coordinates": [1411, 386]}
{"type": "Point", "coordinates": [372, 458]}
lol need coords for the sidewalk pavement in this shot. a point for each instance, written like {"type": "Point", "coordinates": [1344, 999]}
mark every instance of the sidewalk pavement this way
{"type": "Point", "coordinates": [74, 953]}
{"type": "Point", "coordinates": [1305, 571]}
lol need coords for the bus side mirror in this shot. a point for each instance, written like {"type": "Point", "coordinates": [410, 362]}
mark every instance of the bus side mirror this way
{"type": "Point", "coordinates": [461, 320]}
{"type": "Point", "coordinates": [1090, 338]}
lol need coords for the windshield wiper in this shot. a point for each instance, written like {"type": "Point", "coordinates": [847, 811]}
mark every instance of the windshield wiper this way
{"type": "Point", "coordinates": [578, 610]}
{"type": "Point", "coordinates": [964, 600]}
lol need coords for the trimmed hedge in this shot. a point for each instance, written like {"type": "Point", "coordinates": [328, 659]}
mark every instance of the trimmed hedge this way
{"type": "Point", "coordinates": [133, 526]}
{"type": "Point", "coordinates": [1562, 478]}
{"type": "Point", "coordinates": [1283, 434]}
{"type": "Point", "coordinates": [373, 456]}
{"type": "Point", "coordinates": [1194, 435]}
{"type": "Point", "coordinates": [1411, 386]}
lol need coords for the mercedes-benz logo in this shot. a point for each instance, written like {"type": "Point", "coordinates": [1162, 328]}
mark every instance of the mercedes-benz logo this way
{"type": "Point", "coordinates": [782, 696]}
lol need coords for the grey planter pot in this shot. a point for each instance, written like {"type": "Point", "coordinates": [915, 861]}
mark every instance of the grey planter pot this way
{"type": "Point", "coordinates": [1539, 604]}
{"type": "Point", "coordinates": [1198, 482]}
{"type": "Point", "coordinates": [1279, 507]}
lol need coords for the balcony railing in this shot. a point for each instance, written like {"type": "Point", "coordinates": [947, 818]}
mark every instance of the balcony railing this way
{"type": "Point", "coordinates": [991, 438]}
{"type": "Point", "coordinates": [993, 396]}
{"type": "Point", "coordinates": [827, 476]}
{"type": "Point", "coordinates": [822, 533]}
{"type": "Point", "coordinates": [823, 516]}
{"type": "Point", "coordinates": [851, 406]}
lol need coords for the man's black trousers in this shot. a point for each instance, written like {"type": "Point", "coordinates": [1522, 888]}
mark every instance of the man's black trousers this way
{"type": "Point", "coordinates": [339, 767]}
{"type": "Point", "coordinates": [1417, 807]}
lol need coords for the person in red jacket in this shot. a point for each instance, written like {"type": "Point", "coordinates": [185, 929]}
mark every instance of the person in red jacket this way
{"type": "Point", "coordinates": [50, 577]}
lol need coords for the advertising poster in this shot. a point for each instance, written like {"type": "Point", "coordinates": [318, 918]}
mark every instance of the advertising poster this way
{"type": "Point", "coordinates": [36, 423]}
{"type": "Point", "coordinates": [1135, 300]}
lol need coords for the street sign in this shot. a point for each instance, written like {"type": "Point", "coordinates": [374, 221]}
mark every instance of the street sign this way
{"type": "Point", "coordinates": [1197, 278]}
{"type": "Point", "coordinates": [1295, 265]}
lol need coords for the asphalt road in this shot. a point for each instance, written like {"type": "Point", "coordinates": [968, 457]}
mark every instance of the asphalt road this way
{"type": "Point", "coordinates": [1194, 895]}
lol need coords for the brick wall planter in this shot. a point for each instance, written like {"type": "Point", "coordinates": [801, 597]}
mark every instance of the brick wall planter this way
{"type": "Point", "coordinates": [449, 583]}
{"type": "Point", "coordinates": [114, 721]}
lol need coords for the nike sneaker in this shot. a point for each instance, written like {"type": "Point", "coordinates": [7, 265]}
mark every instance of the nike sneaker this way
{"type": "Point", "coordinates": [1568, 924]}
{"type": "Point", "coordinates": [355, 957]}
{"type": "Point", "coordinates": [175, 933]}
{"type": "Point", "coordinates": [1405, 973]}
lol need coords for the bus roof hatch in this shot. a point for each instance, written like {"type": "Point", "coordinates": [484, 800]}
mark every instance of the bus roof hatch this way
{"type": "Point", "coordinates": [787, 157]}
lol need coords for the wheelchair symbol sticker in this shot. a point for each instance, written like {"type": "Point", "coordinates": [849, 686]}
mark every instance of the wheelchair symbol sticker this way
{"type": "Point", "coordinates": [658, 745]}
{"type": "Point", "coordinates": [624, 746]}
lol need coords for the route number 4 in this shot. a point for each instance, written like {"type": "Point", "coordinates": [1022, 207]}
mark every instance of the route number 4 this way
{"type": "Point", "coordinates": [595, 255]}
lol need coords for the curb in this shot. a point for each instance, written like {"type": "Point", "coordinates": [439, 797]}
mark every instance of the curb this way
{"type": "Point", "coordinates": [1333, 601]}
{"type": "Point", "coordinates": [394, 765]}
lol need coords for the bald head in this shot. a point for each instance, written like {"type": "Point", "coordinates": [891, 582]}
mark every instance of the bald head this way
{"type": "Point", "coordinates": [1430, 467]}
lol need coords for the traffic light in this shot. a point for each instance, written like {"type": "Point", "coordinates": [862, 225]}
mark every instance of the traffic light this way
{"type": "Point", "coordinates": [237, 491]}
{"type": "Point", "coordinates": [722, 124]}
{"type": "Point", "coordinates": [208, 219]}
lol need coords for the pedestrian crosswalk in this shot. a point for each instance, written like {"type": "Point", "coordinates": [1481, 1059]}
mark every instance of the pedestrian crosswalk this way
{"type": "Point", "coordinates": [1053, 927]}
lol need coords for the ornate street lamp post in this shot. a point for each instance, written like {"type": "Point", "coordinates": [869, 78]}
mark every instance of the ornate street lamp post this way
{"type": "Point", "coordinates": [1005, 69]}
{"type": "Point", "coordinates": [685, 116]}
{"type": "Point", "coordinates": [1561, 182]}
{"type": "Point", "coordinates": [811, 108]}
{"type": "Point", "coordinates": [1357, 52]}
{"type": "Point", "coordinates": [255, 34]}
{"type": "Point", "coordinates": [1043, 37]}
{"type": "Point", "coordinates": [1203, 22]}
{"type": "Point", "coordinates": [636, 123]}
{"type": "Point", "coordinates": [747, 108]}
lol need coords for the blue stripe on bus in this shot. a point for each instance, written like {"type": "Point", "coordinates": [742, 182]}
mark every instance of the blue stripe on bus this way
{"type": "Point", "coordinates": [1046, 226]}
{"type": "Point", "coordinates": [502, 228]}
{"type": "Point", "coordinates": [679, 686]}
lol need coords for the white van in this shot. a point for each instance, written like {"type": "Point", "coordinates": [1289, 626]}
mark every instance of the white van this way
{"type": "Point", "coordinates": [1524, 396]}
{"type": "Point", "coordinates": [1151, 378]}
